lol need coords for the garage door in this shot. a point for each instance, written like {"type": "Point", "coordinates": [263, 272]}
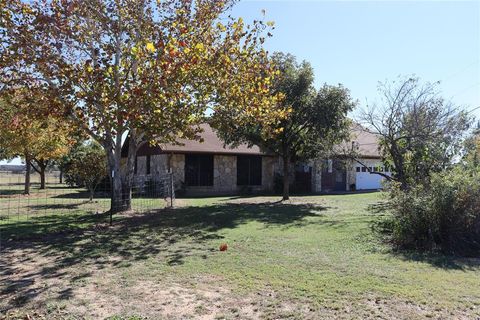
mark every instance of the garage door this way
{"type": "Point", "coordinates": [367, 180]}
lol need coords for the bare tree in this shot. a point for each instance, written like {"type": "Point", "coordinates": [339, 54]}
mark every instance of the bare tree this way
{"type": "Point", "coordinates": [419, 132]}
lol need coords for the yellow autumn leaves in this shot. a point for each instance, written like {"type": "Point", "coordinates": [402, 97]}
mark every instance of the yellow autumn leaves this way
{"type": "Point", "coordinates": [150, 47]}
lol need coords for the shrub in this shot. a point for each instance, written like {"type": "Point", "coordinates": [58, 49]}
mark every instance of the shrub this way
{"type": "Point", "coordinates": [444, 214]}
{"type": "Point", "coordinates": [86, 167]}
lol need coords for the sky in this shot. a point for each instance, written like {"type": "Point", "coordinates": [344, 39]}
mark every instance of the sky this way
{"type": "Point", "coordinates": [359, 43]}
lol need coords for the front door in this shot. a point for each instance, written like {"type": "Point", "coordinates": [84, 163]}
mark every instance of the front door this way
{"type": "Point", "coordinates": [340, 178]}
{"type": "Point", "coordinates": [334, 176]}
{"type": "Point", "coordinates": [303, 179]}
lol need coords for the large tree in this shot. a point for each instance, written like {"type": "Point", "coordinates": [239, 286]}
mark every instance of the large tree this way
{"type": "Point", "coordinates": [30, 131]}
{"type": "Point", "coordinates": [313, 122]}
{"type": "Point", "coordinates": [419, 132]}
{"type": "Point", "coordinates": [146, 68]}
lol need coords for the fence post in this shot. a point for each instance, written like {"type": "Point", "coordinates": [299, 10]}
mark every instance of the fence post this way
{"type": "Point", "coordinates": [171, 189]}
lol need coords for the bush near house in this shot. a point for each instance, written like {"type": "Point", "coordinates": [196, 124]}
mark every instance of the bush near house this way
{"type": "Point", "coordinates": [443, 215]}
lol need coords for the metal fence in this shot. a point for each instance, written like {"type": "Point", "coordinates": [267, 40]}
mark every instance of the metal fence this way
{"type": "Point", "coordinates": [64, 206]}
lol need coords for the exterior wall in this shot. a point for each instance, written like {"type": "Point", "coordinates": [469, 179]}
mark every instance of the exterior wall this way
{"type": "Point", "coordinates": [158, 164]}
{"type": "Point", "coordinates": [177, 163]}
{"type": "Point", "coordinates": [317, 175]}
{"type": "Point", "coordinates": [268, 173]}
{"type": "Point", "coordinates": [351, 175]}
{"type": "Point", "coordinates": [278, 168]}
{"type": "Point", "coordinates": [350, 171]}
{"type": "Point", "coordinates": [224, 174]}
{"type": "Point", "coordinates": [158, 167]}
{"type": "Point", "coordinates": [158, 171]}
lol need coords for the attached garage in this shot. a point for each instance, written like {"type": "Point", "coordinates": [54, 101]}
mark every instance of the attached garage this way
{"type": "Point", "coordinates": [367, 179]}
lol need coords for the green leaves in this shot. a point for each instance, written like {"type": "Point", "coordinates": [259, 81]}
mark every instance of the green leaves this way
{"type": "Point", "coordinates": [308, 122]}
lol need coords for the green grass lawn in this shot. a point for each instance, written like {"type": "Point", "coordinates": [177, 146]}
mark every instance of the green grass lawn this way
{"type": "Point", "coordinates": [314, 257]}
{"type": "Point", "coordinates": [56, 208]}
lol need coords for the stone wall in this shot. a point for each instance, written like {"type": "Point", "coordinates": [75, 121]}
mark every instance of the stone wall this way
{"type": "Point", "coordinates": [159, 164]}
{"type": "Point", "coordinates": [224, 174]}
{"type": "Point", "coordinates": [268, 173]}
{"type": "Point", "coordinates": [177, 163]}
{"type": "Point", "coordinates": [158, 167]}
{"type": "Point", "coordinates": [317, 175]}
{"type": "Point", "coordinates": [351, 174]}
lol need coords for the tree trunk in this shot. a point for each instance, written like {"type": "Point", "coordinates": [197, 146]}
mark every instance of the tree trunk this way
{"type": "Point", "coordinates": [61, 176]}
{"type": "Point", "coordinates": [127, 193]}
{"type": "Point", "coordinates": [28, 168]}
{"type": "Point", "coordinates": [91, 193]}
{"type": "Point", "coordinates": [42, 179]}
{"type": "Point", "coordinates": [122, 177]}
{"type": "Point", "coordinates": [116, 185]}
{"type": "Point", "coordinates": [286, 177]}
{"type": "Point", "coordinates": [42, 165]}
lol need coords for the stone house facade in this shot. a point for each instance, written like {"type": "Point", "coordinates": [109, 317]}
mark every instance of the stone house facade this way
{"type": "Point", "coordinates": [211, 168]}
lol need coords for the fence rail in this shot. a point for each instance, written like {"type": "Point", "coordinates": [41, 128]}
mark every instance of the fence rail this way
{"type": "Point", "coordinates": [64, 206]}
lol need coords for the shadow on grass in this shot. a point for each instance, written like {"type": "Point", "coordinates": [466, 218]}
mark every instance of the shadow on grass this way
{"type": "Point", "coordinates": [10, 192]}
{"type": "Point", "coordinates": [58, 206]}
{"type": "Point", "coordinates": [81, 194]}
{"type": "Point", "coordinates": [43, 227]}
{"type": "Point", "coordinates": [440, 260]}
{"type": "Point", "coordinates": [86, 242]}
{"type": "Point", "coordinates": [380, 207]}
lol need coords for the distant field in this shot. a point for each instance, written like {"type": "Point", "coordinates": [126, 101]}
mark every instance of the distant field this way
{"type": "Point", "coordinates": [19, 178]}
{"type": "Point", "coordinates": [314, 257]}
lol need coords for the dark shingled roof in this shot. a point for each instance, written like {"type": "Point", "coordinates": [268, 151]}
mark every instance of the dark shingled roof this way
{"type": "Point", "coordinates": [366, 141]}
{"type": "Point", "coordinates": [211, 144]}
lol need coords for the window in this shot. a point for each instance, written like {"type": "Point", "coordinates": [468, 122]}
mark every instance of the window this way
{"type": "Point", "coordinates": [199, 170]}
{"type": "Point", "coordinates": [364, 169]}
{"type": "Point", "coordinates": [358, 169]}
{"type": "Point", "coordinates": [148, 164]}
{"type": "Point", "coordinates": [249, 170]}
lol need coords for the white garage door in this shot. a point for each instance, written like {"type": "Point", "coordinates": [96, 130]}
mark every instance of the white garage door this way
{"type": "Point", "coordinates": [367, 180]}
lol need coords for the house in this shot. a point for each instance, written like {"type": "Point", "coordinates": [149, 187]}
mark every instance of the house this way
{"type": "Point", "coordinates": [347, 173]}
{"type": "Point", "coordinates": [211, 168]}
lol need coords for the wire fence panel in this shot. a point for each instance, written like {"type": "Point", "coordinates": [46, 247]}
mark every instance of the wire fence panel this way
{"type": "Point", "coordinates": [59, 207]}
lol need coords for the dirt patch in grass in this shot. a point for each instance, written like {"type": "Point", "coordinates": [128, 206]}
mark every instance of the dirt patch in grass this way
{"type": "Point", "coordinates": [96, 293]}
{"type": "Point", "coordinates": [37, 285]}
